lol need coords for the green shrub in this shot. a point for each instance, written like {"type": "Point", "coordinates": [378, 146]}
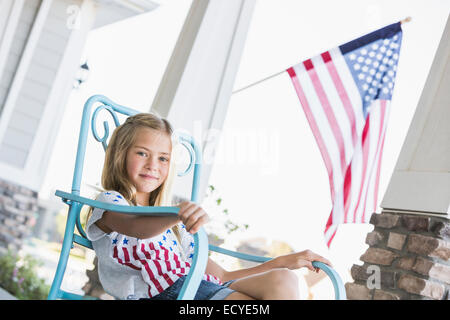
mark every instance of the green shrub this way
{"type": "Point", "coordinates": [19, 277]}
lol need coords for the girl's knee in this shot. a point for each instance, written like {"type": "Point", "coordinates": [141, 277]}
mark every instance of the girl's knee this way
{"type": "Point", "coordinates": [284, 283]}
{"type": "Point", "coordinates": [284, 276]}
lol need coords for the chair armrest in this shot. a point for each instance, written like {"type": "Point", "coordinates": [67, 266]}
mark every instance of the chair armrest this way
{"type": "Point", "coordinates": [145, 211]}
{"type": "Point", "coordinates": [239, 255]}
{"type": "Point", "coordinates": [336, 280]}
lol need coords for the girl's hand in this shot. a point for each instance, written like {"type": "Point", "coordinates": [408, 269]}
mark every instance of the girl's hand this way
{"type": "Point", "coordinates": [300, 259]}
{"type": "Point", "coordinates": [192, 216]}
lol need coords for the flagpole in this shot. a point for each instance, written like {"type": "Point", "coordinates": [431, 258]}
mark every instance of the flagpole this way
{"type": "Point", "coordinates": [407, 19]}
{"type": "Point", "coordinates": [257, 82]}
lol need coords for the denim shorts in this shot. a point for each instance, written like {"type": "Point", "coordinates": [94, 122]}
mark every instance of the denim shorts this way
{"type": "Point", "coordinates": [206, 291]}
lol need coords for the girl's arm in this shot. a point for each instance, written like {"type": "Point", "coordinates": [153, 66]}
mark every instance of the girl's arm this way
{"type": "Point", "coordinates": [143, 227]}
{"type": "Point", "coordinates": [219, 272]}
{"type": "Point", "coordinates": [291, 261]}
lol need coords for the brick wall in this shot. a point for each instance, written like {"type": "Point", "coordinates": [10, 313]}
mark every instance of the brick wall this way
{"type": "Point", "coordinates": [407, 259]}
{"type": "Point", "coordinates": [18, 208]}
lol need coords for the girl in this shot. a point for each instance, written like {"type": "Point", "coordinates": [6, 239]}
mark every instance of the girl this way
{"type": "Point", "coordinates": [141, 257]}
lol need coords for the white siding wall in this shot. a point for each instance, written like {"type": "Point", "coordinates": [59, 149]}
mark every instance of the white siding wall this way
{"type": "Point", "coordinates": [18, 44]}
{"type": "Point", "coordinates": [12, 149]}
{"type": "Point", "coordinates": [5, 12]}
{"type": "Point", "coordinates": [37, 84]}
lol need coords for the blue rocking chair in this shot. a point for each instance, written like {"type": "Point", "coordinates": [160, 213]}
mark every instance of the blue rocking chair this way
{"type": "Point", "coordinates": [75, 202]}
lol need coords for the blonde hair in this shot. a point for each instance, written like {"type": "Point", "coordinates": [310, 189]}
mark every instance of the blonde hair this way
{"type": "Point", "coordinates": [114, 174]}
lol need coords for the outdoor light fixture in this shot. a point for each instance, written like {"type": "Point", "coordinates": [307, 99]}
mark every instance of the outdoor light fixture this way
{"type": "Point", "coordinates": [82, 75]}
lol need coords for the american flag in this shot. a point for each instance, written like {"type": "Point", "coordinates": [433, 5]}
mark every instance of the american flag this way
{"type": "Point", "coordinates": [345, 93]}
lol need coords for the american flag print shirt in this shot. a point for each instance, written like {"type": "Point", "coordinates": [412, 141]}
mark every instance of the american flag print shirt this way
{"type": "Point", "coordinates": [160, 260]}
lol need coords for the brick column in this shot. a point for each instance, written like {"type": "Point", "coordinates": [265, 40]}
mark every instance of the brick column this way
{"type": "Point", "coordinates": [18, 207]}
{"type": "Point", "coordinates": [407, 259]}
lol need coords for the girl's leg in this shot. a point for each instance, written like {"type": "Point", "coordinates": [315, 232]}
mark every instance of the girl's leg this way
{"type": "Point", "coordinates": [276, 284]}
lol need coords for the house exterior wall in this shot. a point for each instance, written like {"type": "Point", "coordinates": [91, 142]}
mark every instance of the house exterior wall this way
{"type": "Point", "coordinates": [38, 80]}
{"type": "Point", "coordinates": [27, 17]}
{"type": "Point", "coordinates": [34, 57]}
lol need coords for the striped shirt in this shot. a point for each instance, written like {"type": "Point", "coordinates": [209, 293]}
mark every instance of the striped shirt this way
{"type": "Point", "coordinates": [139, 268]}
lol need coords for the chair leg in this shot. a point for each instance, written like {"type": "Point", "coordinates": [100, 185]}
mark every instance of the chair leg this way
{"type": "Point", "coordinates": [65, 251]}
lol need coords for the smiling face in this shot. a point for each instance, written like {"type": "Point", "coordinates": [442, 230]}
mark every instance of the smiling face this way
{"type": "Point", "coordinates": [148, 162]}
